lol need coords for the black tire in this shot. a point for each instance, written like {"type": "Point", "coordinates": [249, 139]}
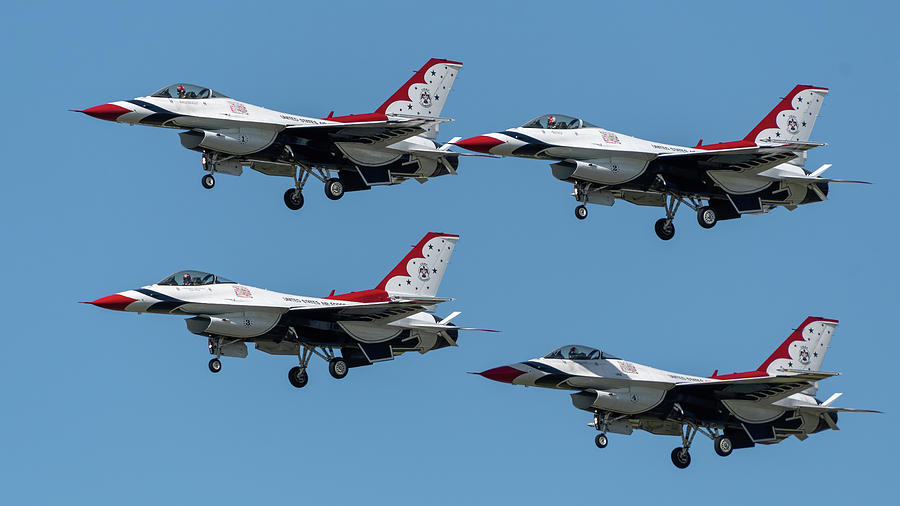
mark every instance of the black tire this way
{"type": "Point", "coordinates": [338, 368]}
{"type": "Point", "coordinates": [706, 217]}
{"type": "Point", "coordinates": [581, 212]}
{"type": "Point", "coordinates": [293, 199]}
{"type": "Point", "coordinates": [298, 377]}
{"type": "Point", "coordinates": [208, 181]}
{"type": "Point", "coordinates": [334, 189]}
{"type": "Point", "coordinates": [723, 446]}
{"type": "Point", "coordinates": [215, 365]}
{"type": "Point", "coordinates": [662, 231]}
{"type": "Point", "coordinates": [601, 441]}
{"type": "Point", "coordinates": [681, 458]}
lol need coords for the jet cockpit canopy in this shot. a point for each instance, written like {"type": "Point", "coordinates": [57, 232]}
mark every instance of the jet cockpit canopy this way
{"type": "Point", "coordinates": [578, 352]}
{"type": "Point", "coordinates": [557, 122]}
{"type": "Point", "coordinates": [193, 278]}
{"type": "Point", "coordinates": [187, 91]}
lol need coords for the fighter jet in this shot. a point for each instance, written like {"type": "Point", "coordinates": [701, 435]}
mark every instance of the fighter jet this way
{"type": "Point", "coordinates": [737, 410]}
{"type": "Point", "coordinates": [367, 326]}
{"type": "Point", "coordinates": [346, 153]}
{"type": "Point", "coordinates": [754, 175]}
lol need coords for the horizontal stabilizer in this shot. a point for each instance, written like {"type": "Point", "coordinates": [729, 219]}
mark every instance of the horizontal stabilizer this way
{"type": "Point", "coordinates": [828, 409]}
{"type": "Point", "coordinates": [810, 179]}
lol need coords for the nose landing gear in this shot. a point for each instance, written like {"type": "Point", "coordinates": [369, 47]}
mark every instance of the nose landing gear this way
{"type": "Point", "coordinates": [581, 212]}
{"type": "Point", "coordinates": [601, 422]}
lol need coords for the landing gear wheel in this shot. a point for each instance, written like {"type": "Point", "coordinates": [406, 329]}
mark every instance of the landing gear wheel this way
{"type": "Point", "coordinates": [208, 181]}
{"type": "Point", "coordinates": [706, 217]}
{"type": "Point", "coordinates": [293, 199]}
{"type": "Point", "coordinates": [581, 212]}
{"type": "Point", "coordinates": [663, 231]}
{"type": "Point", "coordinates": [215, 365]}
{"type": "Point", "coordinates": [681, 458]}
{"type": "Point", "coordinates": [338, 368]}
{"type": "Point", "coordinates": [298, 377]}
{"type": "Point", "coordinates": [723, 446]}
{"type": "Point", "coordinates": [601, 441]}
{"type": "Point", "coordinates": [334, 188]}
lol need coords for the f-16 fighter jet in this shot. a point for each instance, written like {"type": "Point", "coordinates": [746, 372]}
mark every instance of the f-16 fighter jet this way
{"type": "Point", "coordinates": [346, 153]}
{"type": "Point", "coordinates": [367, 326]}
{"type": "Point", "coordinates": [734, 410]}
{"type": "Point", "coordinates": [754, 175]}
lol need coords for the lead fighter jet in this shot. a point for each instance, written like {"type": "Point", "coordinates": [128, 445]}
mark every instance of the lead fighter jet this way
{"type": "Point", "coordinates": [736, 410]}
{"type": "Point", "coordinates": [754, 175]}
{"type": "Point", "coordinates": [346, 153]}
{"type": "Point", "coordinates": [367, 326]}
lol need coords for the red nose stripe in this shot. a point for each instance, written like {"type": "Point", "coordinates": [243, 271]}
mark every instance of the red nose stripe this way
{"type": "Point", "coordinates": [481, 143]}
{"type": "Point", "coordinates": [116, 302]}
{"type": "Point", "coordinates": [109, 112]}
{"type": "Point", "coordinates": [503, 374]}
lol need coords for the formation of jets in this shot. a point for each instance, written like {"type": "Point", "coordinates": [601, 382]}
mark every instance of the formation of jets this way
{"type": "Point", "coordinates": [397, 142]}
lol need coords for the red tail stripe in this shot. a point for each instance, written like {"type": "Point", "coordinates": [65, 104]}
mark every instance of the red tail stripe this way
{"type": "Point", "coordinates": [785, 104]}
{"type": "Point", "coordinates": [400, 269]}
{"type": "Point", "coordinates": [417, 78]}
{"type": "Point", "coordinates": [374, 295]}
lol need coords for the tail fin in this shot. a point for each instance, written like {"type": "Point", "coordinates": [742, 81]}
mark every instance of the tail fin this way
{"type": "Point", "coordinates": [804, 349]}
{"type": "Point", "coordinates": [420, 272]}
{"type": "Point", "coordinates": [792, 119]}
{"type": "Point", "coordinates": [424, 95]}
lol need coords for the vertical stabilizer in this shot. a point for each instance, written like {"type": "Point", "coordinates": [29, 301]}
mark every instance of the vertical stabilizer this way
{"type": "Point", "coordinates": [420, 272]}
{"type": "Point", "coordinates": [424, 95]}
{"type": "Point", "coordinates": [804, 349]}
{"type": "Point", "coordinates": [791, 120]}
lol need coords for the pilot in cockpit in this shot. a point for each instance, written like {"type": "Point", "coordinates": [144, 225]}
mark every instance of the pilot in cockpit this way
{"type": "Point", "coordinates": [576, 354]}
{"type": "Point", "coordinates": [551, 122]}
{"type": "Point", "coordinates": [181, 93]}
{"type": "Point", "coordinates": [186, 279]}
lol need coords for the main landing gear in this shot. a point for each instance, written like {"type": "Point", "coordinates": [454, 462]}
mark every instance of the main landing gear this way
{"type": "Point", "coordinates": [664, 227]}
{"type": "Point", "coordinates": [337, 366]}
{"type": "Point", "coordinates": [293, 197]}
{"type": "Point", "coordinates": [681, 455]}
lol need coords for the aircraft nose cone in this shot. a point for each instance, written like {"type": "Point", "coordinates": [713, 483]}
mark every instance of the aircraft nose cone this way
{"type": "Point", "coordinates": [480, 143]}
{"type": "Point", "coordinates": [116, 302]}
{"type": "Point", "coordinates": [109, 112]}
{"type": "Point", "coordinates": [503, 374]}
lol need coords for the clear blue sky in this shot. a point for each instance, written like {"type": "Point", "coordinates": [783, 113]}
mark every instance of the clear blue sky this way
{"type": "Point", "coordinates": [101, 407]}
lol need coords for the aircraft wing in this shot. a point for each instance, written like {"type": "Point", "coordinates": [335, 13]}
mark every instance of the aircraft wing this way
{"type": "Point", "coordinates": [768, 388]}
{"type": "Point", "coordinates": [751, 159]}
{"type": "Point", "coordinates": [383, 132]}
{"type": "Point", "coordinates": [380, 312]}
